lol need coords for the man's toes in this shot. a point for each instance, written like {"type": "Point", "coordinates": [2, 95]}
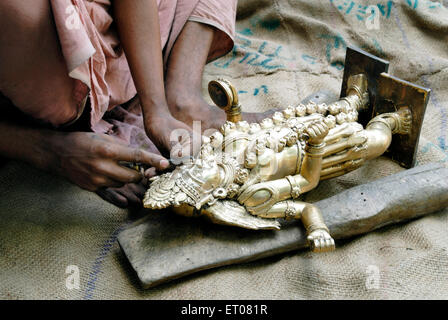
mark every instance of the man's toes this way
{"type": "Point", "coordinates": [138, 189]}
{"type": "Point", "coordinates": [131, 197]}
{"type": "Point", "coordinates": [113, 197]}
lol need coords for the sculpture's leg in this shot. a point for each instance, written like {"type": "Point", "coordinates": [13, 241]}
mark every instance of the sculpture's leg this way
{"type": "Point", "coordinates": [318, 235]}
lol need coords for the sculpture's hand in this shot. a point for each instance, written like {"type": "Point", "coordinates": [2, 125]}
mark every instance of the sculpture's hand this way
{"type": "Point", "coordinates": [231, 213]}
{"type": "Point", "coordinates": [320, 241]}
{"type": "Point", "coordinates": [317, 132]}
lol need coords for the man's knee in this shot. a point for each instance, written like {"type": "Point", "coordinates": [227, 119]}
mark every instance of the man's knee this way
{"type": "Point", "coordinates": [183, 101]}
{"type": "Point", "coordinates": [21, 15]}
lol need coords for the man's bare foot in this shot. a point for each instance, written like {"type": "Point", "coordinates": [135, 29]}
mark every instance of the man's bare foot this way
{"type": "Point", "coordinates": [194, 108]}
{"type": "Point", "coordinates": [130, 195]}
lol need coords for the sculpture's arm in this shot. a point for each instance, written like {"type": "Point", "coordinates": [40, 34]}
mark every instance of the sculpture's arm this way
{"type": "Point", "coordinates": [309, 176]}
{"type": "Point", "coordinates": [259, 198]}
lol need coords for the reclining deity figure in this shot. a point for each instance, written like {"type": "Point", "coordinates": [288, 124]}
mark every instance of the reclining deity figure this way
{"type": "Point", "coordinates": [249, 175]}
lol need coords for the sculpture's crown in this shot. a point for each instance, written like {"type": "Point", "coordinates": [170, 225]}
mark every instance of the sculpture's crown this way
{"type": "Point", "coordinates": [202, 181]}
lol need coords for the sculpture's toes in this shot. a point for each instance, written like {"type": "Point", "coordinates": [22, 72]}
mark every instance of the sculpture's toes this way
{"type": "Point", "coordinates": [314, 244]}
{"type": "Point", "coordinates": [329, 245]}
{"type": "Point", "coordinates": [321, 244]}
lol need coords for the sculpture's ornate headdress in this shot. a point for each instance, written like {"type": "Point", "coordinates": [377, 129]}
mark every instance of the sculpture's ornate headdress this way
{"type": "Point", "coordinates": [200, 182]}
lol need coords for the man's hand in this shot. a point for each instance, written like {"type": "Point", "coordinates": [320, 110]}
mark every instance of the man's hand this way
{"type": "Point", "coordinates": [91, 160]}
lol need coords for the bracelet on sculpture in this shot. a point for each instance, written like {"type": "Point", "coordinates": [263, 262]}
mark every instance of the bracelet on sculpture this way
{"type": "Point", "coordinates": [290, 212]}
{"type": "Point", "coordinates": [382, 119]}
{"type": "Point", "coordinates": [315, 151]}
{"type": "Point", "coordinates": [295, 187]}
{"type": "Point", "coordinates": [315, 227]}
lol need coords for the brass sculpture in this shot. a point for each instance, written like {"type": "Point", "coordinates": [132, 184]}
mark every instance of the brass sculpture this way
{"type": "Point", "coordinates": [248, 175]}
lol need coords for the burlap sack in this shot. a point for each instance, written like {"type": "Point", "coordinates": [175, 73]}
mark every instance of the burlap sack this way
{"type": "Point", "coordinates": [285, 50]}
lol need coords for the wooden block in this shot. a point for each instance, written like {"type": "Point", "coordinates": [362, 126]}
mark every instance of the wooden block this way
{"type": "Point", "coordinates": [164, 246]}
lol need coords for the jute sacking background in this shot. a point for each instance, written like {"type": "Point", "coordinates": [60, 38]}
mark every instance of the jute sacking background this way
{"type": "Point", "coordinates": [285, 50]}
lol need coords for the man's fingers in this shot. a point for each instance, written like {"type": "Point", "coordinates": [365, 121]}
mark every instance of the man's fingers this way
{"type": "Point", "coordinates": [123, 153]}
{"type": "Point", "coordinates": [101, 181]}
{"type": "Point", "coordinates": [183, 146]}
{"type": "Point", "coordinates": [116, 172]}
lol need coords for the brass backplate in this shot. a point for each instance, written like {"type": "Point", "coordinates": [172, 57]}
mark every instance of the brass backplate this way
{"type": "Point", "coordinates": [358, 61]}
{"type": "Point", "coordinates": [394, 93]}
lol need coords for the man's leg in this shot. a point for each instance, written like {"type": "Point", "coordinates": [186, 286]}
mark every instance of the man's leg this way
{"type": "Point", "coordinates": [33, 72]}
{"type": "Point", "coordinates": [183, 82]}
{"type": "Point", "coordinates": [32, 69]}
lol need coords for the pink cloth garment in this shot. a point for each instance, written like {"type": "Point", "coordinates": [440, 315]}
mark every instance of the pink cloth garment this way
{"type": "Point", "coordinates": [95, 59]}
{"type": "Point", "coordinates": [97, 69]}
{"type": "Point", "coordinates": [222, 16]}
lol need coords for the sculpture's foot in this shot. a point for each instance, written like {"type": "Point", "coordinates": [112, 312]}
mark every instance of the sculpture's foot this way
{"type": "Point", "coordinates": [403, 121]}
{"type": "Point", "coordinates": [399, 122]}
{"type": "Point", "coordinates": [320, 241]}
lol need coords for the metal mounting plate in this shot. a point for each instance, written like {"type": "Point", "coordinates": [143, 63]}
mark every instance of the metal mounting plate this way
{"type": "Point", "coordinates": [394, 93]}
{"type": "Point", "coordinates": [358, 61]}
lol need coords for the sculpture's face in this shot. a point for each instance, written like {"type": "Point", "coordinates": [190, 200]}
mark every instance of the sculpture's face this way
{"type": "Point", "coordinates": [205, 175]}
{"type": "Point", "coordinates": [197, 183]}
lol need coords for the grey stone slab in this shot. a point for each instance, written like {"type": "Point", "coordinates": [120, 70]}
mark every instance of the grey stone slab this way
{"type": "Point", "coordinates": [163, 246]}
